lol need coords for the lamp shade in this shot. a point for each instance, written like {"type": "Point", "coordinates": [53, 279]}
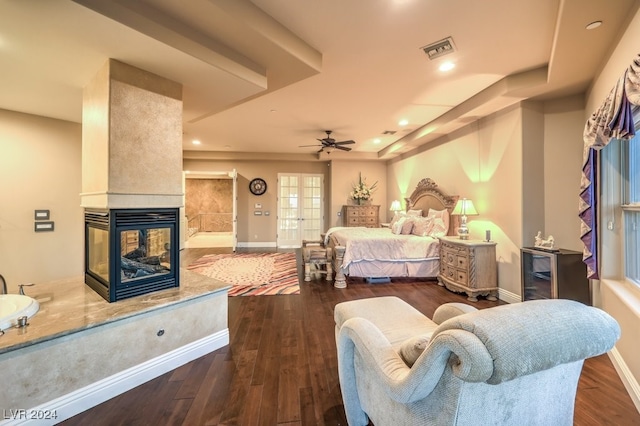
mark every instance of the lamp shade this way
{"type": "Point", "coordinates": [395, 206]}
{"type": "Point", "coordinates": [464, 207]}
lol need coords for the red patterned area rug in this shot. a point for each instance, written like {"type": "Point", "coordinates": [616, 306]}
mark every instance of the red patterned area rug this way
{"type": "Point", "coordinates": [252, 274]}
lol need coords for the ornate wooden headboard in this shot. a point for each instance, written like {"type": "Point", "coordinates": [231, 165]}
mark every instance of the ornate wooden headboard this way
{"type": "Point", "coordinates": [427, 195]}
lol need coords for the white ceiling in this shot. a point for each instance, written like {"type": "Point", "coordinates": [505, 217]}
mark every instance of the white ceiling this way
{"type": "Point", "coordinates": [262, 78]}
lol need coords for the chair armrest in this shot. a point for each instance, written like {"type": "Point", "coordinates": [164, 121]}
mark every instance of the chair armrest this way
{"type": "Point", "coordinates": [451, 310]}
{"type": "Point", "coordinates": [400, 382]}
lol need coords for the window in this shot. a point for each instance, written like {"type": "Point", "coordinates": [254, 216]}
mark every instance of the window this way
{"type": "Point", "coordinates": [631, 207]}
{"type": "Point", "coordinates": [619, 207]}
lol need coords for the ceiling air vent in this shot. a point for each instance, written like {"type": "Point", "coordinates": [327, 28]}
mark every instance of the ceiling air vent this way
{"type": "Point", "coordinates": [439, 48]}
{"type": "Point", "coordinates": [389, 132]}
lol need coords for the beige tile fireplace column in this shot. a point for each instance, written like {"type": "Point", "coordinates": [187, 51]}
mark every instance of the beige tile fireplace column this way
{"type": "Point", "coordinates": [131, 139]}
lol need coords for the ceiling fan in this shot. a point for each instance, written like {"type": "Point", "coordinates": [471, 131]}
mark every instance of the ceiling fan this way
{"type": "Point", "coordinates": [328, 144]}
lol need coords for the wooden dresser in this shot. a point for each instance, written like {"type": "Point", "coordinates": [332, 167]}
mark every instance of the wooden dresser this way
{"type": "Point", "coordinates": [469, 266]}
{"type": "Point", "coordinates": [361, 216]}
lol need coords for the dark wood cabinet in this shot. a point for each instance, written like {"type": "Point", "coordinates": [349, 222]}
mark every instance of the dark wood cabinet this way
{"type": "Point", "coordinates": [558, 274]}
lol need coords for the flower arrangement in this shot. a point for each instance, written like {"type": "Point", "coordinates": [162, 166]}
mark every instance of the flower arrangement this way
{"type": "Point", "coordinates": [361, 191]}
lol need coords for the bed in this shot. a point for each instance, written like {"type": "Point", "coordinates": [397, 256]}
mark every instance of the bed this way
{"type": "Point", "coordinates": [379, 253]}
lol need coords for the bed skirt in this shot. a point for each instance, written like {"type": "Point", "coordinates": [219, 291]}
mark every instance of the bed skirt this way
{"type": "Point", "coordinates": [423, 268]}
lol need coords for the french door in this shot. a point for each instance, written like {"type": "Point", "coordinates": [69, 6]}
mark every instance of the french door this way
{"type": "Point", "coordinates": [300, 208]}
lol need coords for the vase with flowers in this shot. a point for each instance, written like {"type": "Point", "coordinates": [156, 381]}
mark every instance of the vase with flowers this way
{"type": "Point", "coordinates": [361, 191]}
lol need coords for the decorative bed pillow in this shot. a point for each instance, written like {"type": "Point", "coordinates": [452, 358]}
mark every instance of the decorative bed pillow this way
{"type": "Point", "coordinates": [396, 218]}
{"type": "Point", "coordinates": [414, 213]}
{"type": "Point", "coordinates": [413, 347]}
{"type": "Point", "coordinates": [396, 227]}
{"type": "Point", "coordinates": [422, 226]}
{"type": "Point", "coordinates": [438, 229]}
{"type": "Point", "coordinates": [407, 226]}
{"type": "Point", "coordinates": [441, 214]}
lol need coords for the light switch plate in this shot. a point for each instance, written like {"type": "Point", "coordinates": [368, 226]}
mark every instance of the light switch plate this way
{"type": "Point", "coordinates": [47, 226]}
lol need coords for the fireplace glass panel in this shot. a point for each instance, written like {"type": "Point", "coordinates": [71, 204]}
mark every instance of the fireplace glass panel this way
{"type": "Point", "coordinates": [145, 252]}
{"type": "Point", "coordinates": [98, 254]}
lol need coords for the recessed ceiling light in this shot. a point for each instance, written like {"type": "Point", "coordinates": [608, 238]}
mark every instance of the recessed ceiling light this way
{"type": "Point", "coordinates": [593, 25]}
{"type": "Point", "coordinates": [376, 141]}
{"type": "Point", "coordinates": [196, 142]}
{"type": "Point", "coordinates": [446, 66]}
{"type": "Point", "coordinates": [403, 122]}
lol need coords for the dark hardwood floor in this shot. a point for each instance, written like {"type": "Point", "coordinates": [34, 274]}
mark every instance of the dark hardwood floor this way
{"type": "Point", "coordinates": [280, 367]}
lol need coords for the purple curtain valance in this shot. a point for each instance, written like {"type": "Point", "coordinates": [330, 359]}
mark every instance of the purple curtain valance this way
{"type": "Point", "coordinates": [613, 119]}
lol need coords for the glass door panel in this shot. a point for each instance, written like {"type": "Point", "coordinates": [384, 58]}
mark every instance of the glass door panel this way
{"type": "Point", "coordinates": [300, 208]}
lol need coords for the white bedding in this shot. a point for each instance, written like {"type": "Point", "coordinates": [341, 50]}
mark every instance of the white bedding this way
{"type": "Point", "coordinates": [380, 244]}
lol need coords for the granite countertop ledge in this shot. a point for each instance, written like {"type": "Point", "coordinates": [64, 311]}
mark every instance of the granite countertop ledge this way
{"type": "Point", "coordinates": [68, 306]}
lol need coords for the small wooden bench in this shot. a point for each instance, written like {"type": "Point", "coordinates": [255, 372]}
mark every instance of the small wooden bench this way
{"type": "Point", "coordinates": [315, 254]}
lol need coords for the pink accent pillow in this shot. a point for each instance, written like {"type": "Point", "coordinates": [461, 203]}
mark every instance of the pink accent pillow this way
{"type": "Point", "coordinates": [396, 228]}
{"type": "Point", "coordinates": [438, 229]}
{"type": "Point", "coordinates": [407, 226]}
{"type": "Point", "coordinates": [396, 218]}
{"type": "Point", "coordinates": [422, 226]}
{"type": "Point", "coordinates": [414, 213]}
{"type": "Point", "coordinates": [441, 214]}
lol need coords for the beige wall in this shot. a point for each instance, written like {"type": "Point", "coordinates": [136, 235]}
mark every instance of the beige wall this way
{"type": "Point", "coordinates": [345, 174]}
{"type": "Point", "coordinates": [533, 177]}
{"type": "Point", "coordinates": [620, 299]}
{"type": "Point", "coordinates": [563, 125]}
{"type": "Point", "coordinates": [40, 168]}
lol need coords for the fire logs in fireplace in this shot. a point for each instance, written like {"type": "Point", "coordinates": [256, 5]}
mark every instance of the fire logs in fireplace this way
{"type": "Point", "coordinates": [140, 262]}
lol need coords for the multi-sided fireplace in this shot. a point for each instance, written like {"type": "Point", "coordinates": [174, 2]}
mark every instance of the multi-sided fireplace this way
{"type": "Point", "coordinates": [129, 252]}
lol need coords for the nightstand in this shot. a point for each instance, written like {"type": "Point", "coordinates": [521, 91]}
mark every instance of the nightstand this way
{"type": "Point", "coordinates": [469, 266]}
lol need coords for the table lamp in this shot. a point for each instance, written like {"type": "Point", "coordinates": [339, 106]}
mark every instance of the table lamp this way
{"type": "Point", "coordinates": [395, 207]}
{"type": "Point", "coordinates": [463, 209]}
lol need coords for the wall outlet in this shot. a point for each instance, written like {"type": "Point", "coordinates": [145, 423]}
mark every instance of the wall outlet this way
{"type": "Point", "coordinates": [610, 225]}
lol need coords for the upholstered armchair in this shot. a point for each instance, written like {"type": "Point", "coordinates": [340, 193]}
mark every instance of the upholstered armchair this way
{"type": "Point", "coordinates": [516, 364]}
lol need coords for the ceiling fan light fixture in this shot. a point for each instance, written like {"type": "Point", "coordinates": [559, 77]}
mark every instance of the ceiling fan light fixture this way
{"type": "Point", "coordinates": [329, 144]}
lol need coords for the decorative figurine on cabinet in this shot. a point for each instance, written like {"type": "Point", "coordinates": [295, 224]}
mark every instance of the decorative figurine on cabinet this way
{"type": "Point", "coordinates": [545, 243]}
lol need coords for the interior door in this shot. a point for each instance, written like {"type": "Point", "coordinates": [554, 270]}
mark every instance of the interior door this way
{"type": "Point", "coordinates": [300, 208]}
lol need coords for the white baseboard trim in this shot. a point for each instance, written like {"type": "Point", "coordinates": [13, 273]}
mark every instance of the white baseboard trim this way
{"type": "Point", "coordinates": [508, 296]}
{"type": "Point", "coordinates": [96, 393]}
{"type": "Point", "coordinates": [630, 383]}
{"type": "Point", "coordinates": [257, 245]}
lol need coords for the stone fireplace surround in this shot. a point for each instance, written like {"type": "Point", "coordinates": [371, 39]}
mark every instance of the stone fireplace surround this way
{"type": "Point", "coordinates": [131, 161]}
